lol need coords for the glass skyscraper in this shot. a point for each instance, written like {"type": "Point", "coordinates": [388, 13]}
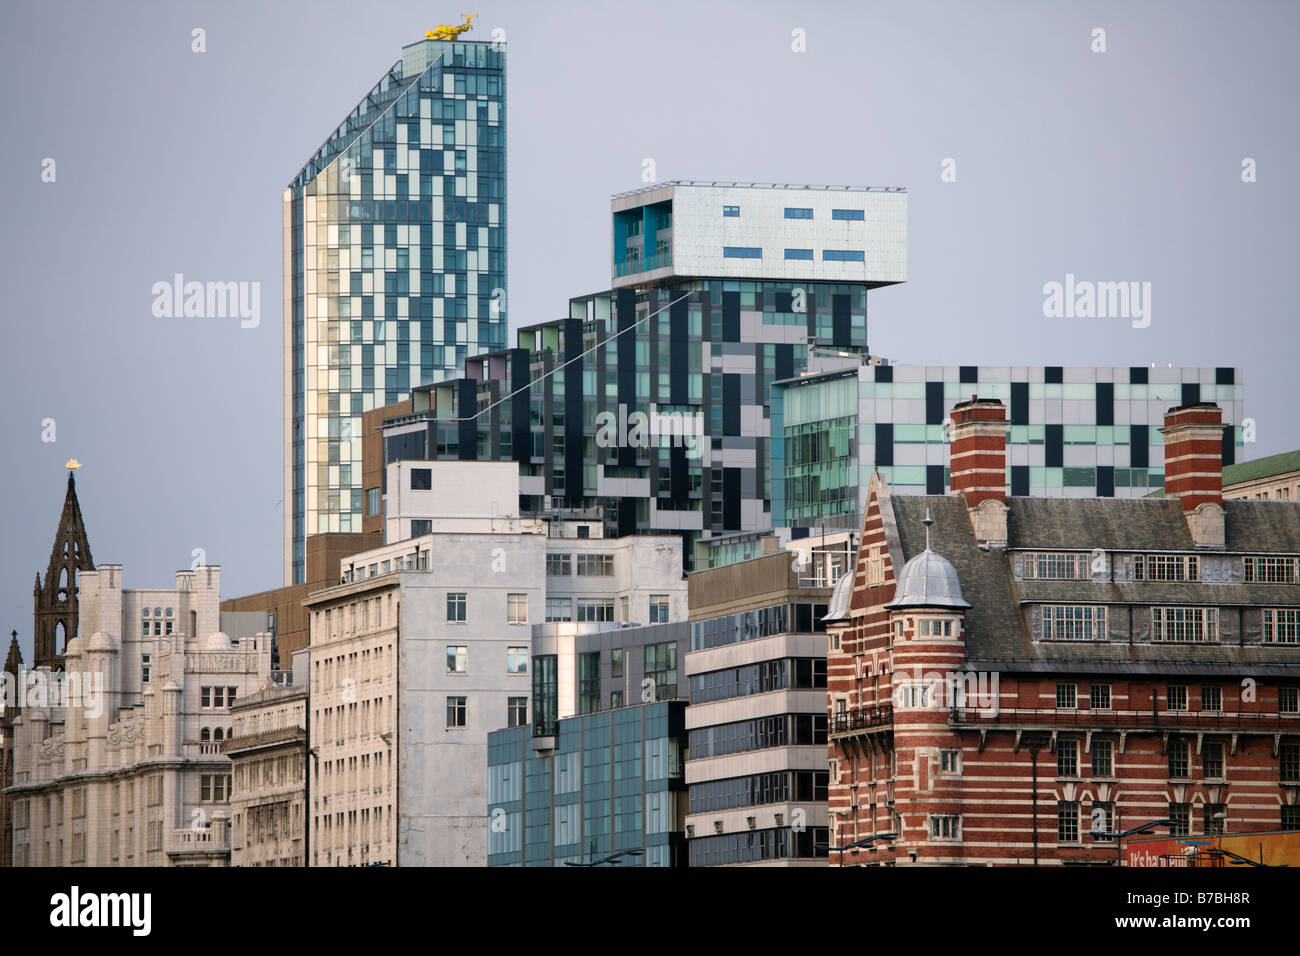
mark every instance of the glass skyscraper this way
{"type": "Point", "coordinates": [394, 267]}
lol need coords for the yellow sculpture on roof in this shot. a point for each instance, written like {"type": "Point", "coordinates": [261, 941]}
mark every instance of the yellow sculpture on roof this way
{"type": "Point", "coordinates": [447, 32]}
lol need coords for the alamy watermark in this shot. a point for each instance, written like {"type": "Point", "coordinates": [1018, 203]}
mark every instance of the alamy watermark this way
{"type": "Point", "coordinates": [208, 300]}
{"type": "Point", "coordinates": [45, 688]}
{"type": "Point", "coordinates": [636, 429]}
{"type": "Point", "coordinates": [1098, 300]}
{"type": "Point", "coordinates": [946, 690]}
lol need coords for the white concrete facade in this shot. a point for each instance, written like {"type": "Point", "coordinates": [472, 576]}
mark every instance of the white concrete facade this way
{"type": "Point", "coordinates": [268, 750]}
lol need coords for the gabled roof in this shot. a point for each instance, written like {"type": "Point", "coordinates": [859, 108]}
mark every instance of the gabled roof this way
{"type": "Point", "coordinates": [1287, 461]}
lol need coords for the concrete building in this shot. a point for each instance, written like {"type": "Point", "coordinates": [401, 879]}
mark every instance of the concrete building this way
{"type": "Point", "coordinates": [650, 400]}
{"type": "Point", "coordinates": [1275, 478]}
{"type": "Point", "coordinates": [427, 646]}
{"type": "Point", "coordinates": [267, 748]}
{"type": "Point", "coordinates": [1075, 432]}
{"type": "Point", "coordinates": [394, 268]}
{"type": "Point", "coordinates": [609, 792]}
{"type": "Point", "coordinates": [756, 766]}
{"type": "Point", "coordinates": [1020, 680]}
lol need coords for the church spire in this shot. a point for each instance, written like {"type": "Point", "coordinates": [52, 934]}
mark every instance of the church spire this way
{"type": "Point", "coordinates": [56, 596]}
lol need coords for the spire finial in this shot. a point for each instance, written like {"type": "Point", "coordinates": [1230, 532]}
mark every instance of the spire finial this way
{"type": "Point", "coordinates": [927, 522]}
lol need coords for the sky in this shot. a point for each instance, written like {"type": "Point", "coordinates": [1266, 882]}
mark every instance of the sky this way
{"type": "Point", "coordinates": [1031, 146]}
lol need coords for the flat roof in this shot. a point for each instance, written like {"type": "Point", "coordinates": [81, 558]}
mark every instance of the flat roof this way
{"type": "Point", "coordinates": [740, 185]}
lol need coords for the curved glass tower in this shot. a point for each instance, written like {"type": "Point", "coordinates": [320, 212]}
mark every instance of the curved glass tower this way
{"type": "Point", "coordinates": [394, 267]}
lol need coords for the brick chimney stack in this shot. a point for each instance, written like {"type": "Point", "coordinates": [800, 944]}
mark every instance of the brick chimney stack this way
{"type": "Point", "coordinates": [1194, 468]}
{"type": "Point", "coordinates": [977, 463]}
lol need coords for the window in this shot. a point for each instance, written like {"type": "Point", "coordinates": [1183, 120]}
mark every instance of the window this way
{"type": "Point", "coordinates": [1179, 761]}
{"type": "Point", "coordinates": [661, 669]}
{"type": "Point", "coordinates": [516, 608]}
{"type": "Point", "coordinates": [931, 628]}
{"type": "Point", "coordinates": [1067, 821]}
{"type": "Point", "coordinates": [659, 609]}
{"type": "Point", "coordinates": [1103, 821]}
{"type": "Point", "coordinates": [517, 660]}
{"type": "Point", "coordinates": [559, 565]}
{"type": "Point", "coordinates": [1214, 824]}
{"type": "Point", "coordinates": [517, 712]}
{"type": "Point", "coordinates": [1176, 697]}
{"type": "Point", "coordinates": [1074, 622]}
{"type": "Point", "coordinates": [595, 609]}
{"type": "Point", "coordinates": [1067, 758]}
{"type": "Point", "coordinates": [843, 255]}
{"type": "Point", "coordinates": [946, 826]}
{"type": "Point", "coordinates": [372, 502]}
{"type": "Point", "coordinates": [1181, 814]}
{"type": "Point", "coordinates": [1260, 570]}
{"type": "Point", "coordinates": [798, 253]}
{"type": "Point", "coordinates": [584, 531]}
{"type": "Point", "coordinates": [1185, 624]}
{"type": "Point", "coordinates": [595, 565]}
{"type": "Point", "coordinates": [456, 607]}
{"type": "Point", "coordinates": [457, 659]}
{"type": "Point", "coordinates": [741, 252]}
{"type": "Point", "coordinates": [421, 526]}
{"type": "Point", "coordinates": [798, 213]}
{"type": "Point", "coordinates": [1065, 696]}
{"type": "Point", "coordinates": [616, 698]}
{"type": "Point", "coordinates": [1288, 762]}
{"type": "Point", "coordinates": [421, 479]}
{"type": "Point", "coordinates": [1165, 567]}
{"type": "Point", "coordinates": [731, 211]}
{"type": "Point", "coordinates": [1281, 626]}
{"type": "Point", "coordinates": [144, 668]}
{"type": "Point", "coordinates": [854, 214]}
{"type": "Point", "coordinates": [1212, 698]}
{"type": "Point", "coordinates": [1291, 818]}
{"type": "Point", "coordinates": [456, 711]}
{"type": "Point", "coordinates": [214, 787]}
{"type": "Point", "coordinates": [1103, 758]}
{"type": "Point", "coordinates": [616, 662]}
{"type": "Point", "coordinates": [1056, 565]}
{"type": "Point", "coordinates": [949, 760]}
{"type": "Point", "coordinates": [559, 609]}
{"type": "Point", "coordinates": [1287, 702]}
{"type": "Point", "coordinates": [1099, 697]}
{"type": "Point", "coordinates": [1212, 761]}
{"type": "Point", "coordinates": [589, 682]}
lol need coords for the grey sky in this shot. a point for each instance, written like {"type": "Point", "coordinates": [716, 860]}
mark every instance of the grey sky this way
{"type": "Point", "coordinates": [1123, 165]}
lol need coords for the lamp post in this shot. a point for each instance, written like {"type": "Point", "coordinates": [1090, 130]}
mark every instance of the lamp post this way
{"type": "Point", "coordinates": [856, 844]}
{"type": "Point", "coordinates": [1117, 837]}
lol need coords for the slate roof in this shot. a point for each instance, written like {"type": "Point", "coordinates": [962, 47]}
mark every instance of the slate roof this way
{"type": "Point", "coordinates": [997, 625]}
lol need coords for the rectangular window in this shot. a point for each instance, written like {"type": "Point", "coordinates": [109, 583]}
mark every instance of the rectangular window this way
{"type": "Point", "coordinates": [457, 711]}
{"type": "Point", "coordinates": [421, 527]}
{"type": "Point", "coordinates": [1074, 622]}
{"type": "Point", "coordinates": [945, 826]}
{"type": "Point", "coordinates": [616, 662]}
{"type": "Point", "coordinates": [594, 609]}
{"type": "Point", "coordinates": [731, 211]}
{"type": "Point", "coordinates": [1176, 697]}
{"type": "Point", "coordinates": [1099, 697]}
{"type": "Point", "coordinates": [559, 565]}
{"type": "Point", "coordinates": [843, 255]}
{"type": "Point", "coordinates": [1066, 696]}
{"type": "Point", "coordinates": [595, 565]}
{"type": "Point", "coordinates": [1291, 818]}
{"type": "Point", "coordinates": [616, 698]}
{"type": "Point", "coordinates": [517, 660]}
{"type": "Point", "coordinates": [559, 609]}
{"type": "Point", "coordinates": [1179, 760]}
{"type": "Point", "coordinates": [456, 601]}
{"type": "Point", "coordinates": [1215, 815]}
{"type": "Point", "coordinates": [798, 254]}
{"type": "Point", "coordinates": [853, 214]}
{"type": "Point", "coordinates": [1067, 758]}
{"type": "Point", "coordinates": [1165, 567]}
{"type": "Point", "coordinates": [457, 659]}
{"type": "Point", "coordinates": [1272, 570]}
{"type": "Point", "coordinates": [372, 502]}
{"type": "Point", "coordinates": [661, 669]}
{"type": "Point", "coordinates": [949, 760]}
{"type": "Point", "coordinates": [1056, 566]}
{"type": "Point", "coordinates": [1181, 814]}
{"type": "Point", "coordinates": [1288, 702]}
{"type": "Point", "coordinates": [516, 608]}
{"type": "Point", "coordinates": [421, 479]}
{"type": "Point", "coordinates": [659, 609]}
{"type": "Point", "coordinates": [144, 668]}
{"type": "Point", "coordinates": [205, 697]}
{"type": "Point", "coordinates": [1103, 758]}
{"type": "Point", "coordinates": [1067, 821]}
{"type": "Point", "coordinates": [1281, 625]}
{"type": "Point", "coordinates": [742, 252]}
{"type": "Point", "coordinates": [1211, 698]}
{"type": "Point", "coordinates": [1288, 762]}
{"type": "Point", "coordinates": [1196, 625]}
{"type": "Point", "coordinates": [1212, 761]}
{"type": "Point", "coordinates": [517, 711]}
{"type": "Point", "coordinates": [798, 212]}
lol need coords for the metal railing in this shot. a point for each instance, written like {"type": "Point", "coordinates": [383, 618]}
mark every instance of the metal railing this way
{"type": "Point", "coordinates": [1262, 721]}
{"type": "Point", "coordinates": [861, 718]}
{"type": "Point", "coordinates": [657, 260]}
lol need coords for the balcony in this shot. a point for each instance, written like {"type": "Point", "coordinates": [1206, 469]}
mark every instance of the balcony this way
{"type": "Point", "coordinates": [658, 260]}
{"type": "Point", "coordinates": [1263, 722]}
{"type": "Point", "coordinates": [207, 841]}
{"type": "Point", "coordinates": [861, 720]}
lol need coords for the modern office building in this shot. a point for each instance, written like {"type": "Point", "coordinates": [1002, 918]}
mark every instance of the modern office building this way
{"type": "Point", "coordinates": [650, 400]}
{"type": "Point", "coordinates": [1078, 432]}
{"type": "Point", "coordinates": [610, 792]}
{"type": "Point", "coordinates": [1020, 680]}
{"type": "Point", "coordinates": [394, 267]}
{"type": "Point", "coordinates": [267, 747]}
{"type": "Point", "coordinates": [756, 767]}
{"type": "Point", "coordinates": [426, 645]}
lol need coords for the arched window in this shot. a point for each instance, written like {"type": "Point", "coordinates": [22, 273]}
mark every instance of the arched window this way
{"type": "Point", "coordinates": [205, 735]}
{"type": "Point", "coordinates": [219, 735]}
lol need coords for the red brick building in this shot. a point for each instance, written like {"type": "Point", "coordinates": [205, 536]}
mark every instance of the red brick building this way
{"type": "Point", "coordinates": [1015, 680]}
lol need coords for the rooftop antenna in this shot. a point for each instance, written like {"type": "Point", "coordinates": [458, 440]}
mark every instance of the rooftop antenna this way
{"type": "Point", "coordinates": [927, 522]}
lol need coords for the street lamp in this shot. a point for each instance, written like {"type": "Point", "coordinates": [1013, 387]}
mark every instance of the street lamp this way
{"type": "Point", "coordinates": [612, 859]}
{"type": "Point", "coordinates": [1144, 828]}
{"type": "Point", "coordinates": [856, 844]}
